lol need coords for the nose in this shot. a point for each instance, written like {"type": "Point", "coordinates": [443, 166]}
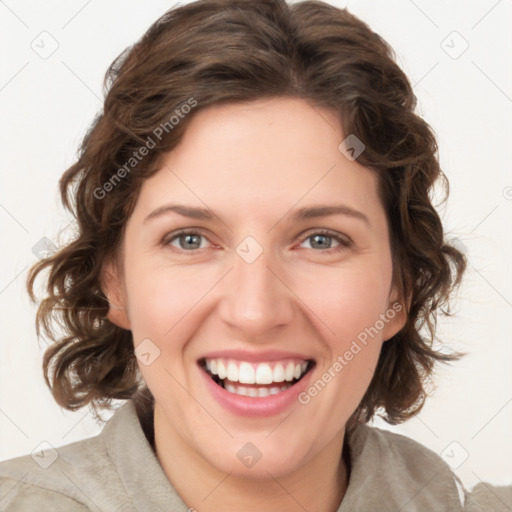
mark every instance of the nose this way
{"type": "Point", "coordinates": [256, 300]}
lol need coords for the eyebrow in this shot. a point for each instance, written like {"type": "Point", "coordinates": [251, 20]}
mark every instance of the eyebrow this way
{"type": "Point", "coordinates": [304, 213]}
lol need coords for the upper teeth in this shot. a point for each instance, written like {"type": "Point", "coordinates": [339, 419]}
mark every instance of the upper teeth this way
{"type": "Point", "coordinates": [256, 373]}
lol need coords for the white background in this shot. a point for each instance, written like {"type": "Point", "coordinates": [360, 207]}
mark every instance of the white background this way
{"type": "Point", "coordinates": [47, 104]}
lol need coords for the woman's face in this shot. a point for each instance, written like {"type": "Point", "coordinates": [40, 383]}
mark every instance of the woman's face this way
{"type": "Point", "coordinates": [266, 285]}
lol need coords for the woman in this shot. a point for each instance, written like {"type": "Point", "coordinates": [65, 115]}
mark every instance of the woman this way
{"type": "Point", "coordinates": [256, 253]}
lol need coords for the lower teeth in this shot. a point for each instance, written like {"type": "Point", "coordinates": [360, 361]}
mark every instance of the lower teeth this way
{"type": "Point", "coordinates": [252, 391]}
{"type": "Point", "coordinates": [255, 391]}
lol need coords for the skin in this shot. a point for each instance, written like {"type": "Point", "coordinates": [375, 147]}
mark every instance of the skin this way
{"type": "Point", "coordinates": [254, 165]}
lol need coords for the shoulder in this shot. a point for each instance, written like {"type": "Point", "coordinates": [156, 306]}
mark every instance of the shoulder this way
{"type": "Point", "coordinates": [398, 449]}
{"type": "Point", "coordinates": [401, 452]}
{"type": "Point", "coordinates": [52, 476]}
{"type": "Point", "coordinates": [79, 476]}
{"type": "Point", "coordinates": [485, 497]}
{"type": "Point", "coordinates": [69, 478]}
{"type": "Point", "coordinates": [18, 496]}
{"type": "Point", "coordinates": [408, 475]}
{"type": "Point", "coordinates": [415, 477]}
{"type": "Point", "coordinates": [117, 470]}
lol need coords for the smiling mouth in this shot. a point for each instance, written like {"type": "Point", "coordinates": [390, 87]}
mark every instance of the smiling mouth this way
{"type": "Point", "coordinates": [257, 380]}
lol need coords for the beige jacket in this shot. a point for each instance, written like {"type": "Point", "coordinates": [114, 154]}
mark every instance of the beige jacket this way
{"type": "Point", "coordinates": [117, 471]}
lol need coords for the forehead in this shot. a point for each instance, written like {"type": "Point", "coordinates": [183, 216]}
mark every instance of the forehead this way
{"type": "Point", "coordinates": [264, 156]}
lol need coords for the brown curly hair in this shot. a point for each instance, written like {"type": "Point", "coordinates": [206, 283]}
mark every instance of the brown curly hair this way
{"type": "Point", "coordinates": [226, 51]}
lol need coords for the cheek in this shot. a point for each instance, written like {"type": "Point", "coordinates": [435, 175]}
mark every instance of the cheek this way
{"type": "Point", "coordinates": [162, 299]}
{"type": "Point", "coordinates": [346, 301]}
{"type": "Point", "coordinates": [349, 309]}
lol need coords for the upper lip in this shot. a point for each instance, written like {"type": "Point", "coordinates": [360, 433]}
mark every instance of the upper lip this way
{"type": "Point", "coordinates": [255, 357]}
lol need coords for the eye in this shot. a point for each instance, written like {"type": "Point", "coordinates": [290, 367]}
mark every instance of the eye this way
{"type": "Point", "coordinates": [323, 239]}
{"type": "Point", "coordinates": [191, 241]}
{"type": "Point", "coordinates": [186, 241]}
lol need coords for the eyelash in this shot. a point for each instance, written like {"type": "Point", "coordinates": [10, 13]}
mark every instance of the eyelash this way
{"type": "Point", "coordinates": [344, 243]}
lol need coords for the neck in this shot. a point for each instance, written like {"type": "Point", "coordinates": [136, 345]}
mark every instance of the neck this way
{"type": "Point", "coordinates": [318, 485]}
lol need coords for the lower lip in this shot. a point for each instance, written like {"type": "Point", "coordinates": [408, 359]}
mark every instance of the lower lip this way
{"type": "Point", "coordinates": [256, 406]}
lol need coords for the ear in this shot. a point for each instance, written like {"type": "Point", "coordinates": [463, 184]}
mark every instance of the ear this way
{"type": "Point", "coordinates": [395, 315]}
{"type": "Point", "coordinates": [113, 289]}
